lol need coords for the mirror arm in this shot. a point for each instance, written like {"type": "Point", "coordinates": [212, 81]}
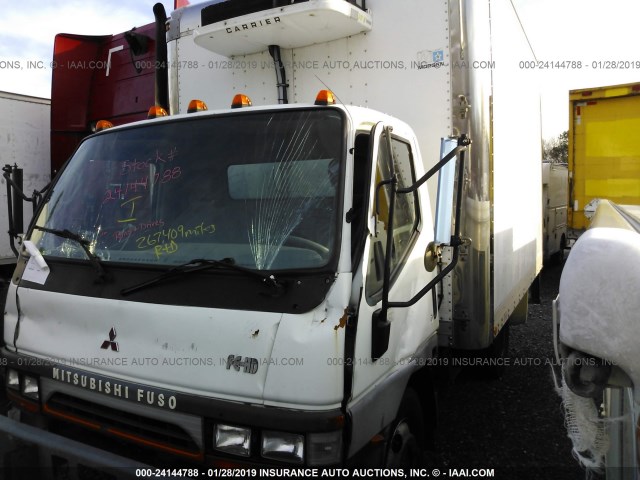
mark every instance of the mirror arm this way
{"type": "Point", "coordinates": [456, 239]}
{"type": "Point", "coordinates": [463, 145]}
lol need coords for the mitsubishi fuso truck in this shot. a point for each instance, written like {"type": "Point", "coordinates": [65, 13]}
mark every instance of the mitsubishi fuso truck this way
{"type": "Point", "coordinates": [336, 199]}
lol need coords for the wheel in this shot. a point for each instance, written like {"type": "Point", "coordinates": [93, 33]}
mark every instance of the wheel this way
{"type": "Point", "coordinates": [558, 257]}
{"type": "Point", "coordinates": [299, 242]}
{"type": "Point", "coordinates": [563, 247]}
{"type": "Point", "coordinates": [406, 443]}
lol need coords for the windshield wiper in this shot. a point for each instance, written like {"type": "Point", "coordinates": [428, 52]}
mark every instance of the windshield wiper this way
{"type": "Point", "coordinates": [84, 243]}
{"type": "Point", "coordinates": [200, 264]}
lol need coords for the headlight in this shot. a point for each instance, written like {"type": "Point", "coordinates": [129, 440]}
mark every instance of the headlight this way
{"type": "Point", "coordinates": [324, 448]}
{"type": "Point", "coordinates": [13, 380]}
{"type": "Point", "coordinates": [286, 447]}
{"type": "Point", "coordinates": [233, 440]}
{"type": "Point", "coordinates": [30, 387]}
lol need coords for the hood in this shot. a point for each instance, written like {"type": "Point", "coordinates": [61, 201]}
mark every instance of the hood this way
{"type": "Point", "coordinates": [255, 357]}
{"type": "Point", "coordinates": [191, 349]}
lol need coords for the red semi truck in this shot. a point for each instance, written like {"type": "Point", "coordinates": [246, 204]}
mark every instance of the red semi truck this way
{"type": "Point", "coordinates": [104, 77]}
{"type": "Point", "coordinates": [108, 77]}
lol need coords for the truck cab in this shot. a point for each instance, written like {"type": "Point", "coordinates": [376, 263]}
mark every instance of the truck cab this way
{"type": "Point", "coordinates": [208, 272]}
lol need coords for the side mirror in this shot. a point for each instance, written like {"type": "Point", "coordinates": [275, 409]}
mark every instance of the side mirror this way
{"type": "Point", "coordinates": [380, 332]}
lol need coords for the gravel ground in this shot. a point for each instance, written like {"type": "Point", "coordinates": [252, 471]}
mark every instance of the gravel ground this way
{"type": "Point", "coordinates": [515, 424]}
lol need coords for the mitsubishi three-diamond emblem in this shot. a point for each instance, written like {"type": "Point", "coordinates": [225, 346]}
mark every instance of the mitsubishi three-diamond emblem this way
{"type": "Point", "coordinates": [111, 342]}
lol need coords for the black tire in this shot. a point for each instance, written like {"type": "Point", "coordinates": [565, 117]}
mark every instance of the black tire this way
{"type": "Point", "coordinates": [558, 257]}
{"type": "Point", "coordinates": [406, 446]}
{"type": "Point", "coordinates": [563, 247]}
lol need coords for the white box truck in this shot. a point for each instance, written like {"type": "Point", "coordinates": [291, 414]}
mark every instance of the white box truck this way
{"type": "Point", "coordinates": [275, 283]}
{"type": "Point", "coordinates": [25, 145]}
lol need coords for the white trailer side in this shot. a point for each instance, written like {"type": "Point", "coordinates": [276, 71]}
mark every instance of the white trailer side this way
{"type": "Point", "coordinates": [25, 142]}
{"type": "Point", "coordinates": [444, 68]}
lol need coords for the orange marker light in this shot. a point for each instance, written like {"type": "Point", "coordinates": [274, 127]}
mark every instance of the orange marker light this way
{"type": "Point", "coordinates": [157, 111]}
{"type": "Point", "coordinates": [196, 106]}
{"type": "Point", "coordinates": [103, 125]}
{"type": "Point", "coordinates": [325, 97]}
{"type": "Point", "coordinates": [241, 101]}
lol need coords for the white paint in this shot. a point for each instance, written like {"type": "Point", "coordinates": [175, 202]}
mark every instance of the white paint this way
{"type": "Point", "coordinates": [25, 135]}
{"type": "Point", "coordinates": [112, 50]}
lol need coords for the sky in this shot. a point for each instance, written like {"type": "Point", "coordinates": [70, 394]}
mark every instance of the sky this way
{"type": "Point", "coordinates": [592, 32]}
{"type": "Point", "coordinates": [28, 29]}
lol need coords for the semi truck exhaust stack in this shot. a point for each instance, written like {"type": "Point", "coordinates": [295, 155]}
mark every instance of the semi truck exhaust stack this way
{"type": "Point", "coordinates": [162, 79]}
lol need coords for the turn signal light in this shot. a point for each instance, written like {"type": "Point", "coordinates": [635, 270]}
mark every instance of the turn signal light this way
{"type": "Point", "coordinates": [325, 97]}
{"type": "Point", "coordinates": [157, 111]}
{"type": "Point", "coordinates": [196, 106]}
{"type": "Point", "coordinates": [103, 125]}
{"type": "Point", "coordinates": [240, 101]}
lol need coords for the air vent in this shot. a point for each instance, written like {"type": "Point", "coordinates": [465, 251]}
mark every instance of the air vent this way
{"type": "Point", "coordinates": [243, 27]}
{"type": "Point", "coordinates": [229, 9]}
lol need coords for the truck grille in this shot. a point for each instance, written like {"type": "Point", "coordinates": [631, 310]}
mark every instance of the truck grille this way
{"type": "Point", "coordinates": [131, 427]}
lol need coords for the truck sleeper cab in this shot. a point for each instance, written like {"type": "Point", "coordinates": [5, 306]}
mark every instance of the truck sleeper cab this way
{"type": "Point", "coordinates": [210, 287]}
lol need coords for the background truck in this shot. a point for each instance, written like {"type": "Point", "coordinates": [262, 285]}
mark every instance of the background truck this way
{"type": "Point", "coordinates": [105, 77]}
{"type": "Point", "coordinates": [596, 310]}
{"type": "Point", "coordinates": [266, 283]}
{"type": "Point", "coordinates": [596, 342]}
{"type": "Point", "coordinates": [24, 141]}
{"type": "Point", "coordinates": [604, 157]}
{"type": "Point", "coordinates": [109, 77]}
{"type": "Point", "coordinates": [555, 188]}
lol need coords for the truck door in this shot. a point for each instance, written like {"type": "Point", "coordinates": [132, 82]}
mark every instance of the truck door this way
{"type": "Point", "coordinates": [390, 156]}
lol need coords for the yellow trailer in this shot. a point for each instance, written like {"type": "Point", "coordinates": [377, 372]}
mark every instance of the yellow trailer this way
{"type": "Point", "coordinates": [604, 152]}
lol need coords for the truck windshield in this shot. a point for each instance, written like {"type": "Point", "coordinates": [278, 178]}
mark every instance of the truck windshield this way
{"type": "Point", "coordinates": [259, 188]}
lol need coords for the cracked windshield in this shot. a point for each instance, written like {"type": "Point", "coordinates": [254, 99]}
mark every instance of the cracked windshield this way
{"type": "Point", "coordinates": [258, 188]}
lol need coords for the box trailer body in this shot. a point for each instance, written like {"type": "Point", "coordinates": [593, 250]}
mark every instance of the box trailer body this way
{"type": "Point", "coordinates": [269, 283]}
{"type": "Point", "coordinates": [604, 158]}
{"type": "Point", "coordinates": [365, 70]}
{"type": "Point", "coordinates": [555, 198]}
{"type": "Point", "coordinates": [24, 141]}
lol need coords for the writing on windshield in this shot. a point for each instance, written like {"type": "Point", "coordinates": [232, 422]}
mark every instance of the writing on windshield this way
{"type": "Point", "coordinates": [262, 188]}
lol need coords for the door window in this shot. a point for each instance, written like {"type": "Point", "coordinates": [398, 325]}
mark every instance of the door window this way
{"type": "Point", "coordinates": [405, 218]}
